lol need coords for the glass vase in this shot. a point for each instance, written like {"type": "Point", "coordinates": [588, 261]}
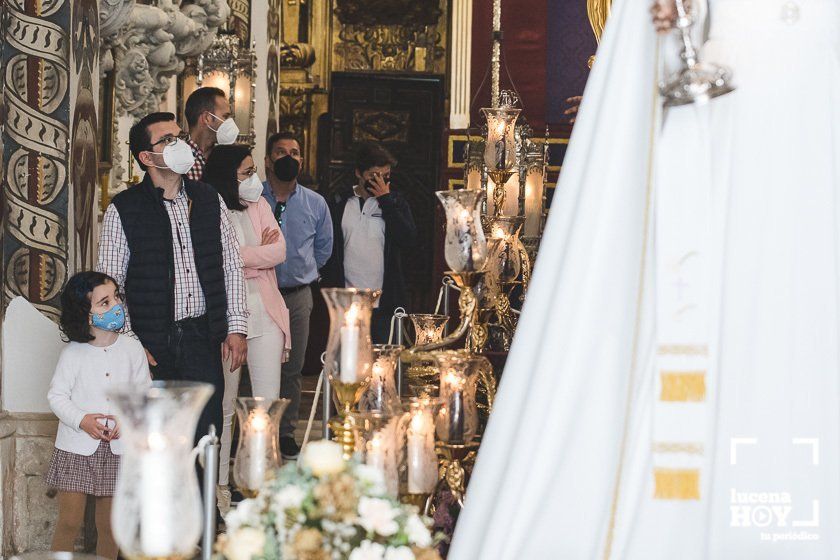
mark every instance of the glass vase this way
{"type": "Point", "coordinates": [456, 423]}
{"type": "Point", "coordinates": [381, 392]}
{"type": "Point", "coordinates": [465, 246]}
{"type": "Point", "coordinates": [428, 328]}
{"type": "Point", "coordinates": [156, 512]}
{"type": "Point", "coordinates": [257, 456]}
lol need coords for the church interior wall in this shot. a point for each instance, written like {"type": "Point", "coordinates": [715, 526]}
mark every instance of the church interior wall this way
{"type": "Point", "coordinates": [123, 60]}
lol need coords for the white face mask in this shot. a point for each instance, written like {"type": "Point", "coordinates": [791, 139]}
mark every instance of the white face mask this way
{"type": "Point", "coordinates": [251, 188]}
{"type": "Point", "coordinates": [178, 157]}
{"type": "Point", "coordinates": [227, 131]}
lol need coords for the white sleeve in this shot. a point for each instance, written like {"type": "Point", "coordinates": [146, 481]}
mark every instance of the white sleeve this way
{"type": "Point", "coordinates": [61, 387]}
{"type": "Point", "coordinates": [140, 374]}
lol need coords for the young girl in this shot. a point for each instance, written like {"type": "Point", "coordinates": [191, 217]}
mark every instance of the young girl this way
{"type": "Point", "coordinates": [85, 461]}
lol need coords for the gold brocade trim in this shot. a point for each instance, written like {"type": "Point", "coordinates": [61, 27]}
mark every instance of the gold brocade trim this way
{"type": "Point", "coordinates": [676, 484]}
{"type": "Point", "coordinates": [677, 447]}
{"type": "Point", "coordinates": [683, 386]}
{"type": "Point", "coordinates": [682, 350]}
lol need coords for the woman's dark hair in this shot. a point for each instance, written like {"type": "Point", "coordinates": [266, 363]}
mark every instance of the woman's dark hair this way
{"type": "Point", "coordinates": [75, 304]}
{"type": "Point", "coordinates": [220, 172]}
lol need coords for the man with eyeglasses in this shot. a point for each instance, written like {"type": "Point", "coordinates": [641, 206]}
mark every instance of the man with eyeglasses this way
{"type": "Point", "coordinates": [209, 119]}
{"type": "Point", "coordinates": [170, 245]}
{"type": "Point", "coordinates": [305, 222]}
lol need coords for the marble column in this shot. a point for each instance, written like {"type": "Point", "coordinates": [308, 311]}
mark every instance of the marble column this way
{"type": "Point", "coordinates": [461, 59]}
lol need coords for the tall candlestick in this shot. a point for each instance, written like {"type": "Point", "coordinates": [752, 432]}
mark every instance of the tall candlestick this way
{"type": "Point", "coordinates": [422, 460]}
{"type": "Point", "coordinates": [257, 445]}
{"type": "Point", "coordinates": [157, 486]}
{"type": "Point", "coordinates": [350, 346]}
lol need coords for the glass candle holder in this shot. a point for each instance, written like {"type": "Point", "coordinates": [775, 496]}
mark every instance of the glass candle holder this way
{"type": "Point", "coordinates": [456, 422]}
{"type": "Point", "coordinates": [381, 436]}
{"type": "Point", "coordinates": [500, 147]}
{"type": "Point", "coordinates": [257, 456]}
{"type": "Point", "coordinates": [156, 512]}
{"type": "Point", "coordinates": [421, 457]}
{"type": "Point", "coordinates": [465, 247]}
{"type": "Point", "coordinates": [381, 391]}
{"type": "Point", "coordinates": [428, 328]}
{"type": "Point", "coordinates": [505, 259]}
{"type": "Point", "coordinates": [349, 354]}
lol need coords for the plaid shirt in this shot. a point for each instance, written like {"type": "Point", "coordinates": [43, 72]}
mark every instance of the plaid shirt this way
{"type": "Point", "coordinates": [197, 171]}
{"type": "Point", "coordinates": [189, 297]}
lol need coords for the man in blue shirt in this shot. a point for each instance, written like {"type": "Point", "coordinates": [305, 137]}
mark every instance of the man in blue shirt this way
{"type": "Point", "coordinates": [305, 222]}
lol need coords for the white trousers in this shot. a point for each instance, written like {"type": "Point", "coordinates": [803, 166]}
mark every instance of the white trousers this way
{"type": "Point", "coordinates": [265, 357]}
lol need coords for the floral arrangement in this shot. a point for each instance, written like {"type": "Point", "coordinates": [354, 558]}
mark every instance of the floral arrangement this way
{"type": "Point", "coordinates": [326, 508]}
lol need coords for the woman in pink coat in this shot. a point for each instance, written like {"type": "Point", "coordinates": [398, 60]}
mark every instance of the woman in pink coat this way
{"type": "Point", "coordinates": [232, 172]}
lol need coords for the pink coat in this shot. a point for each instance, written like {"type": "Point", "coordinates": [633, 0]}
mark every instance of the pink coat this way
{"type": "Point", "coordinates": [260, 262]}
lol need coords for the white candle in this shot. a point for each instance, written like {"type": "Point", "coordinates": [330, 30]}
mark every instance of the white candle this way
{"type": "Point", "coordinates": [378, 385]}
{"type": "Point", "coordinates": [256, 449]}
{"type": "Point", "coordinates": [376, 452]}
{"type": "Point", "coordinates": [157, 487]}
{"type": "Point", "coordinates": [350, 346]}
{"type": "Point", "coordinates": [453, 388]}
{"type": "Point", "coordinates": [422, 461]}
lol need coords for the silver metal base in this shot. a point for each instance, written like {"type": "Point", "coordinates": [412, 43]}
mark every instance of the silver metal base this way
{"type": "Point", "coordinates": [697, 84]}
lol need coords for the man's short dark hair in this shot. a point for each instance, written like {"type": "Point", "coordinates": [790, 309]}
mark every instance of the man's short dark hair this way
{"type": "Point", "coordinates": [276, 137]}
{"type": "Point", "coordinates": [201, 100]}
{"type": "Point", "coordinates": [371, 154]}
{"type": "Point", "coordinates": [139, 139]}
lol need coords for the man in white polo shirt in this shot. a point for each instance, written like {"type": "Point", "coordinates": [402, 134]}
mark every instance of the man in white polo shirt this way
{"type": "Point", "coordinates": [371, 225]}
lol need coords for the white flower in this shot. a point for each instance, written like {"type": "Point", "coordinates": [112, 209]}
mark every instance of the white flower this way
{"type": "Point", "coordinates": [377, 515]}
{"type": "Point", "coordinates": [247, 513]}
{"type": "Point", "coordinates": [322, 457]}
{"type": "Point", "coordinates": [289, 497]}
{"type": "Point", "coordinates": [371, 477]}
{"type": "Point", "coordinates": [244, 543]}
{"type": "Point", "coordinates": [368, 551]}
{"type": "Point", "coordinates": [399, 553]}
{"type": "Point", "coordinates": [417, 531]}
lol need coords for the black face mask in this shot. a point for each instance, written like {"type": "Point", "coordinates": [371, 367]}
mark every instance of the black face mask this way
{"type": "Point", "coordinates": [286, 168]}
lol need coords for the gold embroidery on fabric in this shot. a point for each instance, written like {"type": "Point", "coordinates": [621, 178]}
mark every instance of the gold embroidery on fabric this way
{"type": "Point", "coordinates": [682, 350]}
{"type": "Point", "coordinates": [676, 484]}
{"type": "Point", "coordinates": [677, 447]}
{"type": "Point", "coordinates": [683, 386]}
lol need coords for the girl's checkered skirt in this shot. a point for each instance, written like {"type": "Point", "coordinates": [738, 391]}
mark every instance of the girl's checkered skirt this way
{"type": "Point", "coordinates": [95, 475]}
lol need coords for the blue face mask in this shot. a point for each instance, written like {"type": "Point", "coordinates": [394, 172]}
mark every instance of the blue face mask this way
{"type": "Point", "coordinates": [111, 320]}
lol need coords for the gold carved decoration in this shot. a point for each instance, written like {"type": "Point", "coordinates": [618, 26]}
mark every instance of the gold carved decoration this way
{"type": "Point", "coordinates": [598, 12]}
{"type": "Point", "coordinates": [380, 126]}
{"type": "Point", "coordinates": [390, 35]}
{"type": "Point", "coordinates": [240, 19]}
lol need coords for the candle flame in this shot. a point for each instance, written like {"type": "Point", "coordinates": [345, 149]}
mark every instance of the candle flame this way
{"type": "Point", "coordinates": [259, 420]}
{"type": "Point", "coordinates": [352, 315]}
{"type": "Point", "coordinates": [157, 441]}
{"type": "Point", "coordinates": [418, 421]}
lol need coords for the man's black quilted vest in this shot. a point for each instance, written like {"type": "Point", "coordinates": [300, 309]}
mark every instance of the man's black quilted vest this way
{"type": "Point", "coordinates": [150, 280]}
